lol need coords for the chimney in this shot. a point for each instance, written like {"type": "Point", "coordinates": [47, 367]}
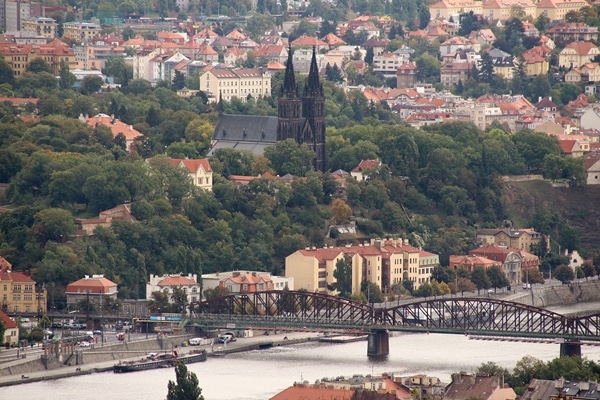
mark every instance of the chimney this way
{"type": "Point", "coordinates": [406, 242]}
{"type": "Point", "coordinates": [130, 127]}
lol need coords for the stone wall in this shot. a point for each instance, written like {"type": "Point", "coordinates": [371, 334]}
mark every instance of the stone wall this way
{"type": "Point", "coordinates": [521, 178]}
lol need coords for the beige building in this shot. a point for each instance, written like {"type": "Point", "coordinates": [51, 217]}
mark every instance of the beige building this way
{"type": "Point", "coordinates": [81, 31]}
{"type": "Point", "coordinates": [446, 8]}
{"type": "Point", "coordinates": [92, 289]}
{"type": "Point", "coordinates": [235, 83]}
{"type": "Point", "coordinates": [556, 10]}
{"type": "Point", "coordinates": [167, 283]}
{"type": "Point", "coordinates": [504, 9]}
{"type": "Point", "coordinates": [576, 54]}
{"type": "Point", "coordinates": [521, 239]}
{"type": "Point", "coordinates": [199, 171]}
{"type": "Point", "coordinates": [18, 56]}
{"type": "Point", "coordinates": [18, 293]}
{"type": "Point", "coordinates": [383, 262]}
{"type": "Point", "coordinates": [40, 26]}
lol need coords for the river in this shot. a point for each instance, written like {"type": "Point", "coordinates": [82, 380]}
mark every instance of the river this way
{"type": "Point", "coordinates": [258, 375]}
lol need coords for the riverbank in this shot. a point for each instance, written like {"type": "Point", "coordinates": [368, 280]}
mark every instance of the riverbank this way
{"type": "Point", "coordinates": [145, 346]}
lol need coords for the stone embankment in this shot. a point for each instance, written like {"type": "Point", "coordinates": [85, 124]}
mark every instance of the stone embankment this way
{"type": "Point", "coordinates": [557, 294]}
{"type": "Point", "coordinates": [102, 358]}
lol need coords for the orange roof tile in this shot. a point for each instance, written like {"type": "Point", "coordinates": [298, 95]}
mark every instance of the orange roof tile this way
{"type": "Point", "coordinates": [177, 281]}
{"type": "Point", "coordinates": [313, 393]}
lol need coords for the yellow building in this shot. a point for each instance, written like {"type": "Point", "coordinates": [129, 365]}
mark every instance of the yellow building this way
{"type": "Point", "coordinates": [40, 26]}
{"type": "Point", "coordinates": [576, 54]}
{"type": "Point", "coordinates": [199, 171]}
{"type": "Point", "coordinates": [535, 64]}
{"type": "Point", "coordinates": [446, 8]}
{"type": "Point", "coordinates": [557, 9]}
{"type": "Point", "coordinates": [18, 292]}
{"type": "Point", "coordinates": [81, 31]}
{"type": "Point", "coordinates": [238, 83]}
{"type": "Point", "coordinates": [504, 9]}
{"type": "Point", "coordinates": [18, 56]}
{"type": "Point", "coordinates": [521, 239]}
{"type": "Point", "coordinates": [383, 262]}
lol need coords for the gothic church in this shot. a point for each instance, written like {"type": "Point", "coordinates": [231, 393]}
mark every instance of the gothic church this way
{"type": "Point", "coordinates": [299, 118]}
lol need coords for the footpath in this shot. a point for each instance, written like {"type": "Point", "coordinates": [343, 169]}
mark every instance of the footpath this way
{"type": "Point", "coordinates": [92, 363]}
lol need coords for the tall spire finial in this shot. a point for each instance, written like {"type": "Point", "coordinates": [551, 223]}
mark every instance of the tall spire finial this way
{"type": "Point", "coordinates": [313, 86]}
{"type": "Point", "coordinates": [289, 88]}
{"type": "Point", "coordinates": [220, 105]}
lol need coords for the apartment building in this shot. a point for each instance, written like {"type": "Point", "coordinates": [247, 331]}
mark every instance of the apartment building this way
{"type": "Point", "coordinates": [238, 83]}
{"type": "Point", "coordinates": [40, 26]}
{"type": "Point", "coordinates": [383, 262]}
{"type": "Point", "coordinates": [522, 239]}
{"type": "Point", "coordinates": [15, 12]}
{"type": "Point", "coordinates": [81, 31]}
{"type": "Point", "coordinates": [19, 55]}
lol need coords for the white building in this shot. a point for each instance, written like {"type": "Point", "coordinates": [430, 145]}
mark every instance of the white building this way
{"type": "Point", "coordinates": [238, 83]}
{"type": "Point", "coordinates": [167, 283]}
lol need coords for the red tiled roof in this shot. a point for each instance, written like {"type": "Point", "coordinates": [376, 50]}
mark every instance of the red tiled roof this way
{"type": "Point", "coordinates": [177, 281]}
{"type": "Point", "coordinates": [93, 285]}
{"type": "Point", "coordinates": [7, 322]}
{"type": "Point", "coordinates": [15, 276]}
{"type": "Point", "coordinates": [313, 393]}
{"type": "Point", "coordinates": [366, 164]}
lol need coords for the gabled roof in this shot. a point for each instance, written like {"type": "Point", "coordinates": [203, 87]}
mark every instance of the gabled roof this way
{"type": "Point", "coordinates": [7, 322]}
{"type": "Point", "coordinates": [305, 40]}
{"type": "Point", "coordinates": [366, 164]}
{"type": "Point", "coordinates": [313, 393]}
{"type": "Point", "coordinates": [177, 281]}
{"type": "Point", "coordinates": [15, 276]}
{"type": "Point", "coordinates": [194, 165]}
{"type": "Point", "coordinates": [333, 40]}
{"type": "Point", "coordinates": [581, 48]}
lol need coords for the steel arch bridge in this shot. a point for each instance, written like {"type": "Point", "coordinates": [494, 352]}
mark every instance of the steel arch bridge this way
{"type": "Point", "coordinates": [474, 316]}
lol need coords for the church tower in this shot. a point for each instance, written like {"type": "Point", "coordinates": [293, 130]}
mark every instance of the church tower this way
{"type": "Point", "coordinates": [289, 105]}
{"type": "Point", "coordinates": [313, 109]}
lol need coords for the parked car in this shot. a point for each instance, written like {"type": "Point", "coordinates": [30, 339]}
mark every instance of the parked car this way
{"type": "Point", "coordinates": [195, 341]}
{"type": "Point", "coordinates": [226, 338]}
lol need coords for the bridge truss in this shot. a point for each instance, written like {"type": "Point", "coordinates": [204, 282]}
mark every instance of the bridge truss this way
{"type": "Point", "coordinates": [475, 316]}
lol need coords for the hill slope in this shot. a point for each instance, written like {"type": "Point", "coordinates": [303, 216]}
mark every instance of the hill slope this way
{"type": "Point", "coordinates": [579, 207]}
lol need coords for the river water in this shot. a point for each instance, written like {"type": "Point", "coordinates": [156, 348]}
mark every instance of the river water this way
{"type": "Point", "coordinates": [258, 375]}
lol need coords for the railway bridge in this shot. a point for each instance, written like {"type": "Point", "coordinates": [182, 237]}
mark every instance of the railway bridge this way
{"type": "Point", "coordinates": [296, 310]}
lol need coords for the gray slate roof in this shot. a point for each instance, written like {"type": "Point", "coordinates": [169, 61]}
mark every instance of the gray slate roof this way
{"type": "Point", "coordinates": [249, 128]}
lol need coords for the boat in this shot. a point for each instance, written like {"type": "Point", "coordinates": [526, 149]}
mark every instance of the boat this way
{"type": "Point", "coordinates": [154, 361]}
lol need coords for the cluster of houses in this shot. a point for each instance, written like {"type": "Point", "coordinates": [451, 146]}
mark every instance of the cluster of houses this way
{"type": "Point", "coordinates": [463, 386]}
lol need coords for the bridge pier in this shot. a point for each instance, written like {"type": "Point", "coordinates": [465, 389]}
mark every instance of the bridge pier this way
{"type": "Point", "coordinates": [378, 343]}
{"type": "Point", "coordinates": [569, 349]}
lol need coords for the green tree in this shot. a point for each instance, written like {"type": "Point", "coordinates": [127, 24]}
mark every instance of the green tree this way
{"type": "Point", "coordinates": [480, 278]}
{"type": "Point", "coordinates": [564, 273]}
{"type": "Point", "coordinates": [186, 385]}
{"type": "Point", "coordinates": [53, 224]}
{"type": "Point", "coordinates": [369, 56]}
{"type": "Point", "coordinates": [289, 157]}
{"type": "Point", "coordinates": [7, 74]}
{"type": "Point", "coordinates": [38, 65]}
{"type": "Point", "coordinates": [178, 80]}
{"type": "Point", "coordinates": [343, 277]}
{"type": "Point", "coordinates": [91, 84]}
{"type": "Point", "coordinates": [497, 277]}
{"type": "Point", "coordinates": [66, 78]}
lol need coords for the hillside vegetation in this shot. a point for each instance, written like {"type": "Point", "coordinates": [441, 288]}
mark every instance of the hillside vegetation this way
{"type": "Point", "coordinates": [576, 206]}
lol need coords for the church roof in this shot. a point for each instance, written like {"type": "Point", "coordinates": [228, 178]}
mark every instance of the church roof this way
{"type": "Point", "coordinates": [244, 132]}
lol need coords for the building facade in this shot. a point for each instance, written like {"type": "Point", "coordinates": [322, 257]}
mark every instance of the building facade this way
{"type": "Point", "coordinates": [18, 292]}
{"type": "Point", "coordinates": [92, 289]}
{"type": "Point", "coordinates": [167, 284]}
{"type": "Point", "coordinates": [383, 262]}
{"type": "Point", "coordinates": [235, 83]}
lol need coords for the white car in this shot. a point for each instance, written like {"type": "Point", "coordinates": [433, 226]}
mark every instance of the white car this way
{"type": "Point", "coordinates": [85, 344]}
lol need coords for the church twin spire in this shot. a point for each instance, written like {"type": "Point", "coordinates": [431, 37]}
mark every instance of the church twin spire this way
{"type": "Point", "coordinates": [289, 88]}
{"type": "Point", "coordinates": [313, 87]}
